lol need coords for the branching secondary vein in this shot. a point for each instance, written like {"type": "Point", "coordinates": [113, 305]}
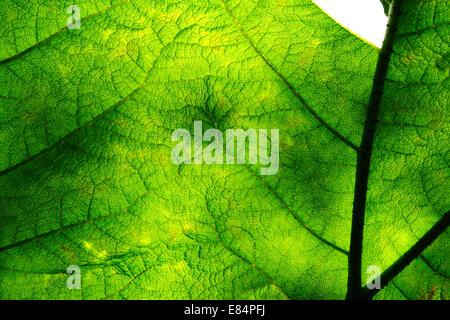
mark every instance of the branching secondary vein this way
{"type": "Point", "coordinates": [288, 84]}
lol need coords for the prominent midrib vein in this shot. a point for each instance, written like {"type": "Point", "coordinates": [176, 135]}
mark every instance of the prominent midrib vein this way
{"type": "Point", "coordinates": [409, 256]}
{"type": "Point", "coordinates": [365, 153]}
{"type": "Point", "coordinates": [287, 83]}
{"type": "Point", "coordinates": [49, 38]}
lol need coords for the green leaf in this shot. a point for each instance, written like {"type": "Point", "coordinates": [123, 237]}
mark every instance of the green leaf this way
{"type": "Point", "coordinates": [86, 176]}
{"type": "Point", "coordinates": [386, 4]}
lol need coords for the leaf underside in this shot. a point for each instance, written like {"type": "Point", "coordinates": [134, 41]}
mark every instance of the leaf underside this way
{"type": "Point", "coordinates": [86, 176]}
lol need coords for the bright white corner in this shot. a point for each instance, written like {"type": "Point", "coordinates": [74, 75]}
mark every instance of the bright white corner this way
{"type": "Point", "coordinates": [365, 18]}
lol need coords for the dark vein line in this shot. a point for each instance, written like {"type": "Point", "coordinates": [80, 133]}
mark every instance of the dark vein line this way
{"type": "Point", "coordinates": [233, 252]}
{"type": "Point", "coordinates": [400, 290]}
{"type": "Point", "coordinates": [287, 83]}
{"type": "Point", "coordinates": [72, 133]}
{"type": "Point", "coordinates": [429, 265]}
{"type": "Point", "coordinates": [295, 216]}
{"type": "Point", "coordinates": [49, 233]}
{"type": "Point", "coordinates": [133, 279]}
{"type": "Point", "coordinates": [48, 39]}
{"type": "Point", "coordinates": [77, 224]}
{"type": "Point", "coordinates": [413, 253]}
{"type": "Point", "coordinates": [293, 213]}
{"type": "Point", "coordinates": [418, 32]}
{"type": "Point", "coordinates": [365, 154]}
{"type": "Point", "coordinates": [87, 124]}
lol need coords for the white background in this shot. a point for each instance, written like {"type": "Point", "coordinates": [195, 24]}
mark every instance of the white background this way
{"type": "Point", "coordinates": [365, 18]}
